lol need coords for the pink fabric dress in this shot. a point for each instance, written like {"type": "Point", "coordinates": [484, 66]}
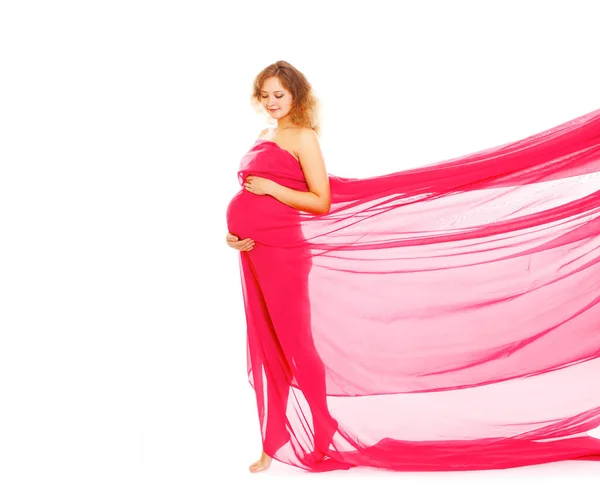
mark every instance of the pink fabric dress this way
{"type": "Point", "coordinates": [440, 318]}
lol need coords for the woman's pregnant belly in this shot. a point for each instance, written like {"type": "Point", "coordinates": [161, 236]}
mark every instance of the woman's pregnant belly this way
{"type": "Point", "coordinates": [262, 218]}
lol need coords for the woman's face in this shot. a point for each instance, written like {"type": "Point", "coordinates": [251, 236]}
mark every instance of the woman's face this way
{"type": "Point", "coordinates": [275, 98]}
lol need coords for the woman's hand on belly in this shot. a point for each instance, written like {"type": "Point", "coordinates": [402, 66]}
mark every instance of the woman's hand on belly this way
{"type": "Point", "coordinates": [241, 245]}
{"type": "Point", "coordinates": [259, 185]}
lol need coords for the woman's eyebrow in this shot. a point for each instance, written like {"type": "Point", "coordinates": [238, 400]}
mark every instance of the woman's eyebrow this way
{"type": "Point", "coordinates": [276, 91]}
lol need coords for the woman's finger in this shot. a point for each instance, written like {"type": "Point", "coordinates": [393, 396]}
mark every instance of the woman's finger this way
{"type": "Point", "coordinates": [246, 243]}
{"type": "Point", "coordinates": [242, 245]}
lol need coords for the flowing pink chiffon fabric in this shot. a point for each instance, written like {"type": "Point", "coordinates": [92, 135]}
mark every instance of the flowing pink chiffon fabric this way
{"type": "Point", "coordinates": [439, 318]}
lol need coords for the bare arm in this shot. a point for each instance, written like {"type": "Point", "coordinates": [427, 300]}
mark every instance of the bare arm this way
{"type": "Point", "coordinates": [317, 199]}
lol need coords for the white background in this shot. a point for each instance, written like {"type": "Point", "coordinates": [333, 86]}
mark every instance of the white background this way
{"type": "Point", "coordinates": [123, 347]}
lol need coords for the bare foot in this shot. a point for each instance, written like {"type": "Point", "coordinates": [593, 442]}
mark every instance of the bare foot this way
{"type": "Point", "coordinates": [262, 464]}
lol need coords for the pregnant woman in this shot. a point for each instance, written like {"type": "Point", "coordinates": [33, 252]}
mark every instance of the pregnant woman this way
{"type": "Point", "coordinates": [290, 177]}
{"type": "Point", "coordinates": [440, 318]}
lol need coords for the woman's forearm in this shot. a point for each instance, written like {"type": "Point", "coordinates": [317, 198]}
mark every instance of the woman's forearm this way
{"type": "Point", "coordinates": [304, 201]}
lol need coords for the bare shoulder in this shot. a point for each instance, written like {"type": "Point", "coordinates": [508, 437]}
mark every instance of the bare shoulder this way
{"type": "Point", "coordinates": [303, 136]}
{"type": "Point", "coordinates": [308, 149]}
{"type": "Point", "coordinates": [307, 140]}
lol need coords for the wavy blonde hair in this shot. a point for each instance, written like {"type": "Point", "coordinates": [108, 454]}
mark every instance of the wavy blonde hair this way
{"type": "Point", "coordinates": [305, 111]}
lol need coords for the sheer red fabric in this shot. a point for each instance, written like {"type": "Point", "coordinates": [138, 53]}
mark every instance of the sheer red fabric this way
{"type": "Point", "coordinates": [439, 318]}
